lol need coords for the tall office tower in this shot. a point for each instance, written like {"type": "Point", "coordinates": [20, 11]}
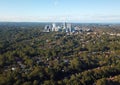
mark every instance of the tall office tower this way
{"type": "Point", "coordinates": [53, 27]}
{"type": "Point", "coordinates": [64, 25]}
{"type": "Point", "coordinates": [69, 27]}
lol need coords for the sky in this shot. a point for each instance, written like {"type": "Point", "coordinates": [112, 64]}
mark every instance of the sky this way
{"type": "Point", "coordinates": [60, 11]}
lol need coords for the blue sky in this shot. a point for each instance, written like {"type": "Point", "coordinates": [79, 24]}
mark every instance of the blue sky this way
{"type": "Point", "coordinates": [60, 10]}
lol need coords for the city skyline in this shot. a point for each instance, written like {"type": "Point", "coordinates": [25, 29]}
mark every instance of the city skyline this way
{"type": "Point", "coordinates": [60, 11]}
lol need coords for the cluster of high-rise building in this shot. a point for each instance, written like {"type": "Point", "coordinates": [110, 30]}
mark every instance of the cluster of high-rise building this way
{"type": "Point", "coordinates": [65, 27]}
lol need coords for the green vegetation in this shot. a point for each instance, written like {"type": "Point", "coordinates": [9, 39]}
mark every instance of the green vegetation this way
{"type": "Point", "coordinates": [29, 56]}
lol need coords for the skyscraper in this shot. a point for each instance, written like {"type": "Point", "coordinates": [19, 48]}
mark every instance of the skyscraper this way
{"type": "Point", "coordinates": [69, 27]}
{"type": "Point", "coordinates": [64, 25]}
{"type": "Point", "coordinates": [53, 27]}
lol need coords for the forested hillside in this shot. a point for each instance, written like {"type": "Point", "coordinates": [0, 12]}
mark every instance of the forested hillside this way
{"type": "Point", "coordinates": [29, 56]}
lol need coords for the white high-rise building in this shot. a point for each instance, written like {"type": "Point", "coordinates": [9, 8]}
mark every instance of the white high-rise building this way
{"type": "Point", "coordinates": [64, 27]}
{"type": "Point", "coordinates": [47, 28]}
{"type": "Point", "coordinates": [53, 27]}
